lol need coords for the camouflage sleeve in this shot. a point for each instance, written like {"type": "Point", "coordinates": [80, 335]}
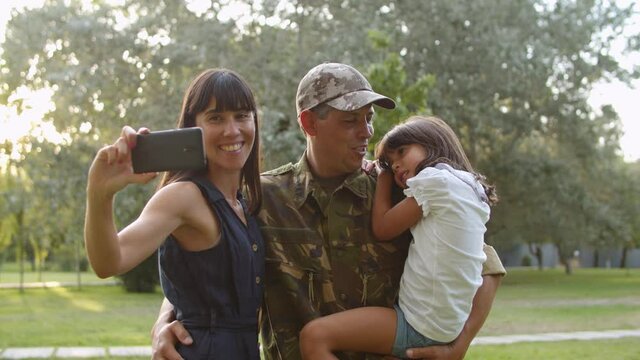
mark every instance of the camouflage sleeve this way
{"type": "Point", "coordinates": [493, 265]}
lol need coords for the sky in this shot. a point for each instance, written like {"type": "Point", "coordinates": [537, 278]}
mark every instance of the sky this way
{"type": "Point", "coordinates": [623, 97]}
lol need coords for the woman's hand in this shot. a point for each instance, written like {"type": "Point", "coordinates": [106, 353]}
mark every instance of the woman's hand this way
{"type": "Point", "coordinates": [111, 169]}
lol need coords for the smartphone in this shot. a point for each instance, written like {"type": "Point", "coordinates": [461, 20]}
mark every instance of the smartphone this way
{"type": "Point", "coordinates": [169, 150]}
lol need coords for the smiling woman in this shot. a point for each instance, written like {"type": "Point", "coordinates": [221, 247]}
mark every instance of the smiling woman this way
{"type": "Point", "coordinates": [198, 217]}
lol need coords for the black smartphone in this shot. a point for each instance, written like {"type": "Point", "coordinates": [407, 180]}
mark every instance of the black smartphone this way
{"type": "Point", "coordinates": [169, 150]}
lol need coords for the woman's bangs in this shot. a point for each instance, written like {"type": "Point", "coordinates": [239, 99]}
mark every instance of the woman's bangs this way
{"type": "Point", "coordinates": [232, 94]}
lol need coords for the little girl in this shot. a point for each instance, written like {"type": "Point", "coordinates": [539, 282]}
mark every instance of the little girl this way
{"type": "Point", "coordinates": [446, 208]}
{"type": "Point", "coordinates": [211, 253]}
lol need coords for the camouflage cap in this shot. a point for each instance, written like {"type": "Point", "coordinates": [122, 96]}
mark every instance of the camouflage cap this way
{"type": "Point", "coordinates": [339, 86]}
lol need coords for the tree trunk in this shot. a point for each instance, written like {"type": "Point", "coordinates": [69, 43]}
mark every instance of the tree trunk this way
{"type": "Point", "coordinates": [77, 259]}
{"type": "Point", "coordinates": [539, 258]}
{"type": "Point", "coordinates": [565, 260]}
{"type": "Point", "coordinates": [623, 259]}
{"type": "Point", "coordinates": [20, 261]}
{"type": "Point", "coordinates": [20, 237]}
{"type": "Point", "coordinates": [596, 258]}
{"type": "Point", "coordinates": [568, 266]}
{"type": "Point", "coordinates": [537, 252]}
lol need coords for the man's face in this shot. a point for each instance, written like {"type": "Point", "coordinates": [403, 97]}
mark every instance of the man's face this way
{"type": "Point", "coordinates": [341, 140]}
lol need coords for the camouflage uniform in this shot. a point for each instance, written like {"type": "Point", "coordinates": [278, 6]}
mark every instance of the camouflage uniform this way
{"type": "Point", "coordinates": [321, 255]}
{"type": "Point", "coordinates": [323, 260]}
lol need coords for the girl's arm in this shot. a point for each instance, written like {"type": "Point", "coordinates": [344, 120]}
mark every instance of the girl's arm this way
{"type": "Point", "coordinates": [390, 221]}
{"type": "Point", "coordinates": [111, 253]}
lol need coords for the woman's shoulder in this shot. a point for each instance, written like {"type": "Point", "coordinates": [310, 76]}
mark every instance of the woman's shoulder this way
{"type": "Point", "coordinates": [179, 191]}
{"type": "Point", "coordinates": [180, 186]}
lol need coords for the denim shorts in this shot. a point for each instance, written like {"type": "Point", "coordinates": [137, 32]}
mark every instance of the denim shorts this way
{"type": "Point", "coordinates": [407, 337]}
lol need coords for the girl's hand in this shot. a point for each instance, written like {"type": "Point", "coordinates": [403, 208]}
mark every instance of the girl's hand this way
{"type": "Point", "coordinates": [111, 169]}
{"type": "Point", "coordinates": [385, 176]}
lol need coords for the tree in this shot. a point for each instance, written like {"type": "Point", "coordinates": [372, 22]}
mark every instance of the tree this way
{"type": "Point", "coordinates": [511, 77]}
{"type": "Point", "coordinates": [14, 230]}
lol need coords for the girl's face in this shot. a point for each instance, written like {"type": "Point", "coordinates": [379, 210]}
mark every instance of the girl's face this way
{"type": "Point", "coordinates": [404, 160]}
{"type": "Point", "coordinates": [228, 137]}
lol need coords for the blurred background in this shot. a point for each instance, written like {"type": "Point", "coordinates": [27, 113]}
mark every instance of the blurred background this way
{"type": "Point", "coordinates": [542, 93]}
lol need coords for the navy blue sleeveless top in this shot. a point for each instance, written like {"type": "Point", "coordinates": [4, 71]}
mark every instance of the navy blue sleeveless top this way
{"type": "Point", "coordinates": [217, 292]}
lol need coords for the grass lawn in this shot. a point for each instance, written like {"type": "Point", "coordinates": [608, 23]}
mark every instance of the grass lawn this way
{"type": "Point", "coordinates": [93, 316]}
{"type": "Point", "coordinates": [531, 301]}
{"type": "Point", "coordinates": [528, 301]}
{"type": "Point", "coordinates": [12, 276]}
{"type": "Point", "coordinates": [615, 349]}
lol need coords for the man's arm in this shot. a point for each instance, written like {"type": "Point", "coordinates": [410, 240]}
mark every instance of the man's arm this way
{"type": "Point", "coordinates": [166, 332]}
{"type": "Point", "coordinates": [482, 302]}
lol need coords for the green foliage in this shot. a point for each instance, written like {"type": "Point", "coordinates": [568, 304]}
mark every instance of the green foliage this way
{"type": "Point", "coordinates": [143, 278]}
{"type": "Point", "coordinates": [511, 77]}
{"type": "Point", "coordinates": [390, 78]}
{"type": "Point", "coordinates": [8, 227]}
{"type": "Point", "coordinates": [64, 259]}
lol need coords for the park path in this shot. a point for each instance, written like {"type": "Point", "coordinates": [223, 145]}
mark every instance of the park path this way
{"type": "Point", "coordinates": [145, 351]}
{"type": "Point", "coordinates": [52, 284]}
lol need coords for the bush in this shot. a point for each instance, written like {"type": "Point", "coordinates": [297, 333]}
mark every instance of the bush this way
{"type": "Point", "coordinates": [64, 259]}
{"type": "Point", "coordinates": [526, 260]}
{"type": "Point", "coordinates": [143, 278]}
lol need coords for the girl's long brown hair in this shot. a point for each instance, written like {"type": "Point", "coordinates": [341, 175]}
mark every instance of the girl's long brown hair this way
{"type": "Point", "coordinates": [232, 93]}
{"type": "Point", "coordinates": [440, 142]}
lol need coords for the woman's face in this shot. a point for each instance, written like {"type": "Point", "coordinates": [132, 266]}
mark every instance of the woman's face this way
{"type": "Point", "coordinates": [404, 160]}
{"type": "Point", "coordinates": [228, 137]}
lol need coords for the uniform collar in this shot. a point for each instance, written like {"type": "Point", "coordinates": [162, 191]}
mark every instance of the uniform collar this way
{"type": "Point", "coordinates": [304, 182]}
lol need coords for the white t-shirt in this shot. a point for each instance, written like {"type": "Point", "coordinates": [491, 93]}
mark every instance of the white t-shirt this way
{"type": "Point", "coordinates": [444, 265]}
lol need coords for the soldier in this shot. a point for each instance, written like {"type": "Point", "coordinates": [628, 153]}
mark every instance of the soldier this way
{"type": "Point", "coordinates": [321, 255]}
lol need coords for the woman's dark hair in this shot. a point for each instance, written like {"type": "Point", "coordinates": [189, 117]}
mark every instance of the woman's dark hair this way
{"type": "Point", "coordinates": [232, 93]}
{"type": "Point", "coordinates": [441, 145]}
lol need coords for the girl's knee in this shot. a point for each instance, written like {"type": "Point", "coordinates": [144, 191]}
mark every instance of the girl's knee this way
{"type": "Point", "coordinates": [313, 331]}
{"type": "Point", "coordinates": [314, 339]}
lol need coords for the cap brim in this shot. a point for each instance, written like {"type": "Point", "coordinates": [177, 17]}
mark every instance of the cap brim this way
{"type": "Point", "coordinates": [358, 99]}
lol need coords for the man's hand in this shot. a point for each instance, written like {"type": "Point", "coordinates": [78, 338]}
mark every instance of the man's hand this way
{"type": "Point", "coordinates": [166, 333]}
{"type": "Point", "coordinates": [370, 167]}
{"type": "Point", "coordinates": [436, 352]}
{"type": "Point", "coordinates": [439, 352]}
{"type": "Point", "coordinates": [456, 350]}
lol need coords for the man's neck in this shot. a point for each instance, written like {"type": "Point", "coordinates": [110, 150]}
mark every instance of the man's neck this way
{"type": "Point", "coordinates": [325, 178]}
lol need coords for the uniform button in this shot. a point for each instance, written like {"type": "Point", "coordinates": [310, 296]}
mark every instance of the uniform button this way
{"type": "Point", "coordinates": [257, 279]}
{"type": "Point", "coordinates": [254, 247]}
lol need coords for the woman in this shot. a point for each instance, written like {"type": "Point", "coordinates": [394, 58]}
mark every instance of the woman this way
{"type": "Point", "coordinates": [211, 253]}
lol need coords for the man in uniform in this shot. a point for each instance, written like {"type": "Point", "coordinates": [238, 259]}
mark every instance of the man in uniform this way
{"type": "Point", "coordinates": [321, 255]}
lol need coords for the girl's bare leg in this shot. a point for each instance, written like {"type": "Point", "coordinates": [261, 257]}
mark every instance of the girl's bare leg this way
{"type": "Point", "coordinates": [366, 329]}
